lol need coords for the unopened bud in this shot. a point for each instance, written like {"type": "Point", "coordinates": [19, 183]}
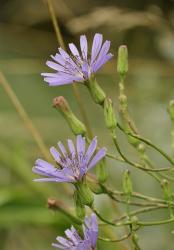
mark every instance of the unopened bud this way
{"type": "Point", "coordinates": [84, 193]}
{"type": "Point", "coordinates": [80, 208]}
{"type": "Point", "coordinates": [127, 183]}
{"type": "Point", "coordinates": [96, 91]}
{"type": "Point", "coordinates": [171, 110]}
{"type": "Point", "coordinates": [75, 124]}
{"type": "Point", "coordinates": [122, 61]}
{"type": "Point", "coordinates": [110, 117]}
{"type": "Point", "coordinates": [166, 189]}
{"type": "Point", "coordinates": [141, 148]}
{"type": "Point", "coordinates": [101, 171]}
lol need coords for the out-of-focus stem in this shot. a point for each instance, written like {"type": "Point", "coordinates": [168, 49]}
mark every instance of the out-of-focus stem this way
{"type": "Point", "coordinates": [62, 44]}
{"type": "Point", "coordinates": [55, 23]}
{"type": "Point", "coordinates": [149, 144]}
{"type": "Point", "coordinates": [115, 240]}
{"type": "Point", "coordinates": [172, 135]}
{"type": "Point", "coordinates": [24, 116]}
{"type": "Point", "coordinates": [60, 206]}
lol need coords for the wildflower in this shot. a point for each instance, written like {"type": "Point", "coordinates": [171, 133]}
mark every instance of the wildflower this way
{"type": "Point", "coordinates": [75, 242]}
{"type": "Point", "coordinates": [73, 164]}
{"type": "Point", "coordinates": [79, 66]}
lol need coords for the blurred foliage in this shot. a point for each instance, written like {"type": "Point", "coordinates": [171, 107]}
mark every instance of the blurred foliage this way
{"type": "Point", "coordinates": [26, 40]}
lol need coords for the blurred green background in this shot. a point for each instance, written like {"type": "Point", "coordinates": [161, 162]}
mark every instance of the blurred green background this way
{"type": "Point", "coordinates": [26, 40]}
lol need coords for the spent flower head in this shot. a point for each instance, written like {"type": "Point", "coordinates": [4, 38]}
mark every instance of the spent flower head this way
{"type": "Point", "coordinates": [79, 65]}
{"type": "Point", "coordinates": [73, 163]}
{"type": "Point", "coordinates": [75, 242]}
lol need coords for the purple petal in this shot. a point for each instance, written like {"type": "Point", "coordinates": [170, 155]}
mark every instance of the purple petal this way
{"type": "Point", "coordinates": [85, 70]}
{"type": "Point", "coordinates": [62, 149]}
{"type": "Point", "coordinates": [60, 80]}
{"type": "Point", "coordinates": [63, 241]}
{"type": "Point", "coordinates": [84, 47]}
{"type": "Point", "coordinates": [80, 146]}
{"type": "Point", "coordinates": [91, 229]}
{"type": "Point", "coordinates": [96, 46]}
{"type": "Point", "coordinates": [103, 52]}
{"type": "Point", "coordinates": [74, 50]}
{"type": "Point", "coordinates": [44, 168]}
{"type": "Point", "coordinates": [102, 61]}
{"type": "Point", "coordinates": [100, 154]}
{"type": "Point", "coordinates": [91, 150]}
{"type": "Point", "coordinates": [67, 160]}
{"type": "Point", "coordinates": [58, 58]}
{"type": "Point", "coordinates": [55, 66]}
{"type": "Point", "coordinates": [63, 179]}
{"type": "Point", "coordinates": [68, 60]}
{"type": "Point", "coordinates": [55, 154]}
{"type": "Point", "coordinates": [73, 235]}
{"type": "Point", "coordinates": [71, 148]}
{"type": "Point", "coordinates": [58, 246]}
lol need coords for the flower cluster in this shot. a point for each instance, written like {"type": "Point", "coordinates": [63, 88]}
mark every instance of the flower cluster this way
{"type": "Point", "coordinates": [75, 242]}
{"type": "Point", "coordinates": [79, 66]}
{"type": "Point", "coordinates": [73, 164]}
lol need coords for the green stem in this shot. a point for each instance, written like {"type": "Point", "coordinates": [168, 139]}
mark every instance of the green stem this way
{"type": "Point", "coordinates": [165, 155]}
{"type": "Point", "coordinates": [139, 211]}
{"type": "Point", "coordinates": [115, 240]}
{"type": "Point", "coordinates": [155, 223]}
{"type": "Point", "coordinates": [109, 222]}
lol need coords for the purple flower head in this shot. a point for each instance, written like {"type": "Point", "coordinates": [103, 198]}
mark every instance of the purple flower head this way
{"type": "Point", "coordinates": [73, 163]}
{"type": "Point", "coordinates": [75, 242]}
{"type": "Point", "coordinates": [79, 66]}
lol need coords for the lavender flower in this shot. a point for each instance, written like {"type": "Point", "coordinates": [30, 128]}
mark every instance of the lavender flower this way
{"type": "Point", "coordinates": [75, 242]}
{"type": "Point", "coordinates": [79, 66]}
{"type": "Point", "coordinates": [73, 164]}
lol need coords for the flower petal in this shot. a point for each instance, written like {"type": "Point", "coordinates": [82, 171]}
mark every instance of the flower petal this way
{"type": "Point", "coordinates": [80, 146]}
{"type": "Point", "coordinates": [74, 50]}
{"type": "Point", "coordinates": [91, 150]}
{"type": "Point", "coordinates": [62, 80]}
{"type": "Point", "coordinates": [91, 230]}
{"type": "Point", "coordinates": [55, 154]}
{"type": "Point", "coordinates": [96, 46]}
{"type": "Point", "coordinates": [103, 52]}
{"type": "Point", "coordinates": [55, 66]}
{"type": "Point", "coordinates": [84, 47]}
{"type": "Point", "coordinates": [44, 168]}
{"type": "Point", "coordinates": [100, 154]}
{"type": "Point", "coordinates": [53, 180]}
{"type": "Point", "coordinates": [102, 61]}
{"type": "Point", "coordinates": [71, 148]}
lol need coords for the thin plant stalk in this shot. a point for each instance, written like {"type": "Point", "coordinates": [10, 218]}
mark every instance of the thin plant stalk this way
{"type": "Point", "coordinates": [24, 116]}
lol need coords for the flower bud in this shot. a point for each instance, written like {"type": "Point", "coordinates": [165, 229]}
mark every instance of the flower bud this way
{"type": "Point", "coordinates": [84, 193]}
{"type": "Point", "coordinates": [110, 118]}
{"type": "Point", "coordinates": [166, 189]}
{"type": "Point", "coordinates": [77, 127]}
{"type": "Point", "coordinates": [122, 61]}
{"type": "Point", "coordinates": [171, 110]}
{"type": "Point", "coordinates": [96, 91]}
{"type": "Point", "coordinates": [80, 208]}
{"type": "Point", "coordinates": [127, 183]}
{"type": "Point", "coordinates": [101, 171]}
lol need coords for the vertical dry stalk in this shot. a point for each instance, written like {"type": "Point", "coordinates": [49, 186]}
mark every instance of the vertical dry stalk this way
{"type": "Point", "coordinates": [24, 116]}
